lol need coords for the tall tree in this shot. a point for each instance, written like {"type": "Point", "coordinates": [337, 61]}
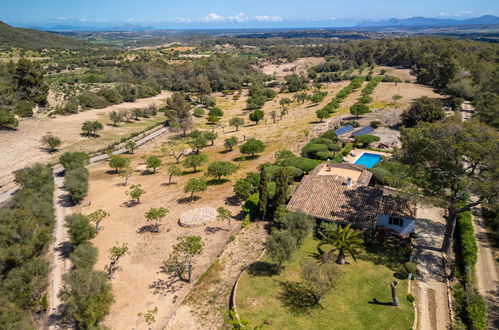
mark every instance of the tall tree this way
{"type": "Point", "coordinates": [179, 111]}
{"type": "Point", "coordinates": [281, 245]}
{"type": "Point", "coordinates": [263, 192]}
{"type": "Point", "coordinates": [423, 109]}
{"type": "Point", "coordinates": [451, 160]}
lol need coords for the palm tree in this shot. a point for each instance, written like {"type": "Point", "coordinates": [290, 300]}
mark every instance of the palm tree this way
{"type": "Point", "coordinates": [344, 240]}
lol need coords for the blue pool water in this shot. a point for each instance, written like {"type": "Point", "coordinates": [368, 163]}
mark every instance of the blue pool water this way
{"type": "Point", "coordinates": [368, 160]}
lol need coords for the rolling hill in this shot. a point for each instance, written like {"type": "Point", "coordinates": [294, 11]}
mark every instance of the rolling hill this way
{"type": "Point", "coordinates": [34, 39]}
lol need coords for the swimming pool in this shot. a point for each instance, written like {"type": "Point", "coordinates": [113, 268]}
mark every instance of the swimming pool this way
{"type": "Point", "coordinates": [368, 160]}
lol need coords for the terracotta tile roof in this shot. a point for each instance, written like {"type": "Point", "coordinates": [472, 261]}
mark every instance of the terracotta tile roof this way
{"type": "Point", "coordinates": [329, 198]}
{"type": "Point", "coordinates": [365, 175]}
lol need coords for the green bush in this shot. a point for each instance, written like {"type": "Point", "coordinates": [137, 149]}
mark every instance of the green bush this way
{"type": "Point", "coordinates": [476, 310]}
{"type": "Point", "coordinates": [80, 230]}
{"type": "Point", "coordinates": [410, 268]}
{"type": "Point", "coordinates": [24, 108]}
{"type": "Point", "coordinates": [311, 149]}
{"type": "Point", "coordinates": [110, 94]}
{"type": "Point", "coordinates": [304, 164]}
{"type": "Point", "coordinates": [76, 183]}
{"type": "Point", "coordinates": [375, 123]}
{"type": "Point", "coordinates": [7, 120]}
{"type": "Point", "coordinates": [410, 298]}
{"type": "Point", "coordinates": [324, 155]}
{"type": "Point", "coordinates": [90, 100]}
{"type": "Point", "coordinates": [251, 206]}
{"type": "Point", "coordinates": [467, 239]}
{"type": "Point", "coordinates": [347, 150]}
{"type": "Point", "coordinates": [71, 160]}
{"type": "Point", "coordinates": [84, 256]}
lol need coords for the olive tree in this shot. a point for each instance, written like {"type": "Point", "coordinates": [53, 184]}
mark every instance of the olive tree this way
{"type": "Point", "coordinates": [220, 168]}
{"type": "Point", "coordinates": [173, 170]}
{"type": "Point", "coordinates": [195, 185]}
{"type": "Point", "coordinates": [97, 217]}
{"type": "Point", "coordinates": [153, 162]}
{"type": "Point", "coordinates": [236, 122]}
{"type": "Point", "coordinates": [51, 142]}
{"type": "Point", "coordinates": [156, 215]}
{"type": "Point", "coordinates": [135, 192]}
{"type": "Point", "coordinates": [252, 146]}
{"type": "Point", "coordinates": [115, 253]}
{"type": "Point", "coordinates": [181, 260]}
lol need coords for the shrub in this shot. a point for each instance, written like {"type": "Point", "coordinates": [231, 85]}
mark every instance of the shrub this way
{"type": "Point", "coordinates": [347, 150]}
{"type": "Point", "coordinates": [87, 297]}
{"type": "Point", "coordinates": [410, 268]}
{"type": "Point", "coordinates": [84, 256]}
{"type": "Point", "coordinates": [251, 206]}
{"type": "Point", "coordinates": [24, 108]}
{"type": "Point", "coordinates": [304, 164]}
{"type": "Point", "coordinates": [110, 94]}
{"type": "Point", "coordinates": [324, 155]}
{"type": "Point", "coordinates": [410, 298]}
{"type": "Point", "coordinates": [80, 230]}
{"type": "Point", "coordinates": [76, 183]}
{"type": "Point", "coordinates": [71, 160]}
{"type": "Point", "coordinates": [199, 112]}
{"type": "Point", "coordinates": [311, 149]}
{"type": "Point", "coordinates": [366, 139]}
{"type": "Point", "coordinates": [375, 123]}
{"type": "Point", "coordinates": [476, 310]}
{"type": "Point", "coordinates": [321, 140]}
{"type": "Point", "coordinates": [7, 120]}
{"type": "Point", "coordinates": [468, 246]}
{"type": "Point", "coordinates": [89, 100]}
{"type": "Point", "coordinates": [71, 105]}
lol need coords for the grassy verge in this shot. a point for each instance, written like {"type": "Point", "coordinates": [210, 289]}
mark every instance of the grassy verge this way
{"type": "Point", "coordinates": [348, 306]}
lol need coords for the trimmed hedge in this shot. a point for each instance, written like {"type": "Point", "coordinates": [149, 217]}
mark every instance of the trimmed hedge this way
{"type": "Point", "coordinates": [311, 149]}
{"type": "Point", "coordinates": [468, 246]}
{"type": "Point", "coordinates": [304, 164]}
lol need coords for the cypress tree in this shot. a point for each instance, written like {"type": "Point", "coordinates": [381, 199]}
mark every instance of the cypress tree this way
{"type": "Point", "coordinates": [282, 182]}
{"type": "Point", "coordinates": [263, 193]}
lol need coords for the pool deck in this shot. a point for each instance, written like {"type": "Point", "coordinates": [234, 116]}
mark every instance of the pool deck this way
{"type": "Point", "coordinates": [360, 152]}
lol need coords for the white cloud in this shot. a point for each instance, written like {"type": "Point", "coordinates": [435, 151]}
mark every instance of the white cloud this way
{"type": "Point", "coordinates": [82, 20]}
{"type": "Point", "coordinates": [266, 18]}
{"type": "Point", "coordinates": [213, 18]}
{"type": "Point", "coordinates": [60, 19]}
{"type": "Point", "coordinates": [131, 19]}
{"type": "Point", "coordinates": [182, 20]}
{"type": "Point", "coordinates": [240, 18]}
{"type": "Point", "coordinates": [459, 13]}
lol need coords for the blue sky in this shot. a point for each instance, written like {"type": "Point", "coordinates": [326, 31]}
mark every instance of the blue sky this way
{"type": "Point", "coordinates": [223, 13]}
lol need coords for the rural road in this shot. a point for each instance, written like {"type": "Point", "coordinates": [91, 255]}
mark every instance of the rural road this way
{"type": "Point", "coordinates": [61, 246]}
{"type": "Point", "coordinates": [486, 269]}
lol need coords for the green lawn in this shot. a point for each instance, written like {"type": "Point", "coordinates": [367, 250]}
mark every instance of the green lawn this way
{"type": "Point", "coordinates": [345, 307]}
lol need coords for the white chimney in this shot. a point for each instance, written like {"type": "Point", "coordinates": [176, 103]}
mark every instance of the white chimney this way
{"type": "Point", "coordinates": [349, 182]}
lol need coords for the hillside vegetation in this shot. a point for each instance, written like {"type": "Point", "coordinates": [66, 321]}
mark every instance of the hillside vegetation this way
{"type": "Point", "coordinates": [34, 39]}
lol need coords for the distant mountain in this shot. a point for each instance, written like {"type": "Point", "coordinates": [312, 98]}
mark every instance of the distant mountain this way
{"type": "Point", "coordinates": [424, 21]}
{"type": "Point", "coordinates": [35, 39]}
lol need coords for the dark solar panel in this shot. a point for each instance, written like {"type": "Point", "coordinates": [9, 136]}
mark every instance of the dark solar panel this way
{"type": "Point", "coordinates": [363, 130]}
{"type": "Point", "coordinates": [343, 130]}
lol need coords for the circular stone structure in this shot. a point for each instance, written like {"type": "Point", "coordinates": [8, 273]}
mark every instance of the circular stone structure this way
{"type": "Point", "coordinates": [198, 217]}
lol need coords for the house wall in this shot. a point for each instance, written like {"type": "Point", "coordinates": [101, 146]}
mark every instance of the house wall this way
{"type": "Point", "coordinates": [406, 229]}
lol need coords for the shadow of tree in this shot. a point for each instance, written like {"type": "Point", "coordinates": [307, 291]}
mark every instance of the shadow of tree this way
{"type": "Point", "coordinates": [217, 182]}
{"type": "Point", "coordinates": [233, 201]}
{"type": "Point", "coordinates": [130, 203]}
{"type": "Point", "coordinates": [147, 228]}
{"type": "Point", "coordinates": [263, 268]}
{"type": "Point", "coordinates": [296, 298]}
{"type": "Point", "coordinates": [376, 302]}
{"type": "Point", "coordinates": [186, 200]}
{"type": "Point", "coordinates": [213, 230]}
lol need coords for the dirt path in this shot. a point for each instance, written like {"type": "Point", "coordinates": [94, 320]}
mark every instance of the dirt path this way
{"type": "Point", "coordinates": [486, 269]}
{"type": "Point", "coordinates": [432, 298]}
{"type": "Point", "coordinates": [21, 148]}
{"type": "Point", "coordinates": [60, 249]}
{"type": "Point", "coordinates": [204, 307]}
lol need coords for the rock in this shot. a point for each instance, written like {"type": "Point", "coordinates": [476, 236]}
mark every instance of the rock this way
{"type": "Point", "coordinates": [198, 217]}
